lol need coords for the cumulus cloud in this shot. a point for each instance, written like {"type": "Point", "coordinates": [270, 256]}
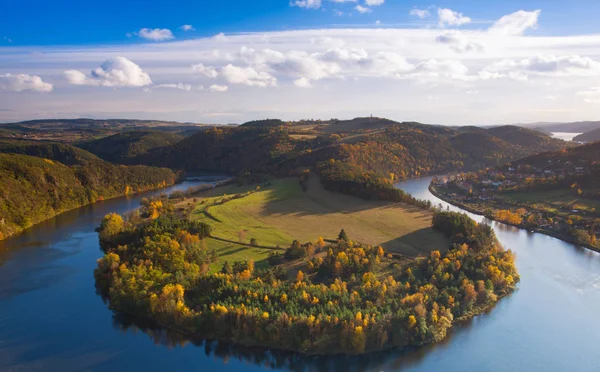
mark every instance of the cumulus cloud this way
{"type": "Point", "coordinates": [207, 71]}
{"type": "Point", "coordinates": [308, 4]}
{"type": "Point", "coordinates": [362, 10]}
{"type": "Point", "coordinates": [549, 65]}
{"type": "Point", "coordinates": [114, 72]}
{"type": "Point", "coordinates": [591, 95]}
{"type": "Point", "coordinates": [180, 86]}
{"type": "Point", "coordinates": [303, 83]}
{"type": "Point", "coordinates": [187, 28]}
{"type": "Point", "coordinates": [24, 82]}
{"type": "Point", "coordinates": [247, 76]}
{"type": "Point", "coordinates": [458, 42]}
{"type": "Point", "coordinates": [218, 88]}
{"type": "Point", "coordinates": [516, 23]}
{"type": "Point", "coordinates": [156, 34]}
{"type": "Point", "coordinates": [374, 2]}
{"type": "Point", "coordinates": [421, 13]}
{"type": "Point", "coordinates": [448, 17]}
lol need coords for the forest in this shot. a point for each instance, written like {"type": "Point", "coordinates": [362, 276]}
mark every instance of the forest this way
{"type": "Point", "coordinates": [41, 180]}
{"type": "Point", "coordinates": [348, 297]}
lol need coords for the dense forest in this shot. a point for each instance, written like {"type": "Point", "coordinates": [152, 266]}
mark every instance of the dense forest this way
{"type": "Point", "coordinates": [351, 298]}
{"type": "Point", "coordinates": [41, 180]}
{"type": "Point", "coordinates": [121, 147]}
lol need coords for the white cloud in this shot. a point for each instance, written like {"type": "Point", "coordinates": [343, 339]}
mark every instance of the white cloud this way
{"type": "Point", "coordinates": [207, 71]}
{"type": "Point", "coordinates": [180, 86]}
{"type": "Point", "coordinates": [451, 18]}
{"type": "Point", "coordinates": [114, 72]}
{"type": "Point", "coordinates": [591, 95]}
{"type": "Point", "coordinates": [516, 23]}
{"type": "Point", "coordinates": [549, 65]}
{"type": "Point", "coordinates": [459, 42]}
{"type": "Point", "coordinates": [24, 82]}
{"type": "Point", "coordinates": [247, 76]}
{"type": "Point", "coordinates": [220, 37]}
{"type": "Point", "coordinates": [421, 13]}
{"type": "Point", "coordinates": [377, 22]}
{"type": "Point", "coordinates": [218, 88]}
{"type": "Point", "coordinates": [303, 83]}
{"type": "Point", "coordinates": [343, 1]}
{"type": "Point", "coordinates": [362, 10]}
{"type": "Point", "coordinates": [308, 4]}
{"type": "Point", "coordinates": [374, 2]}
{"type": "Point", "coordinates": [187, 28]}
{"type": "Point", "coordinates": [156, 34]}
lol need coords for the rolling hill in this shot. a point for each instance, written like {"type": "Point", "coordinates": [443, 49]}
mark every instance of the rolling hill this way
{"type": "Point", "coordinates": [590, 136]}
{"type": "Point", "coordinates": [119, 148]}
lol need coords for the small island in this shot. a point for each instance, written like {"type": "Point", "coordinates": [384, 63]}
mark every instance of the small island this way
{"type": "Point", "coordinates": [286, 264]}
{"type": "Point", "coordinates": [555, 193]}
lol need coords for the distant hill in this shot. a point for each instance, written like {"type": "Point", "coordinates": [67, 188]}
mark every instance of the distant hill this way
{"type": "Point", "coordinates": [119, 148]}
{"type": "Point", "coordinates": [590, 136]}
{"type": "Point", "coordinates": [371, 144]}
{"type": "Point", "coordinates": [573, 127]}
{"type": "Point", "coordinates": [78, 130]}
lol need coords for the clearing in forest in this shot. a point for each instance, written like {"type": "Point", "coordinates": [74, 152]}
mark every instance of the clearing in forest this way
{"type": "Point", "coordinates": [280, 211]}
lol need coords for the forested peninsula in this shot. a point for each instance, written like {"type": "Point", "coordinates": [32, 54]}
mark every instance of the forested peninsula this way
{"type": "Point", "coordinates": [347, 297]}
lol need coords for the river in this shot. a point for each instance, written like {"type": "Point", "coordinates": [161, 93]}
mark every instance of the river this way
{"type": "Point", "coordinates": [52, 319]}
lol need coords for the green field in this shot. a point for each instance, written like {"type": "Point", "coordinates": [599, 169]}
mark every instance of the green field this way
{"type": "Point", "coordinates": [280, 212]}
{"type": "Point", "coordinates": [552, 200]}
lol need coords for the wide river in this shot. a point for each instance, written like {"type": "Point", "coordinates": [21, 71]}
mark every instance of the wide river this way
{"type": "Point", "coordinates": [51, 319]}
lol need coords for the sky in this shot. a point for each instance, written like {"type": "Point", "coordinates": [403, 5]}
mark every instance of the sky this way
{"type": "Point", "coordinates": [462, 62]}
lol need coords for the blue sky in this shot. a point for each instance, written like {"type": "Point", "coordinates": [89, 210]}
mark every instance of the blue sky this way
{"type": "Point", "coordinates": [67, 22]}
{"type": "Point", "coordinates": [455, 62]}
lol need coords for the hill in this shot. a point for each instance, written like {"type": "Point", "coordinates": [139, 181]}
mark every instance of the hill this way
{"type": "Point", "coordinates": [590, 136]}
{"type": "Point", "coordinates": [78, 130]}
{"type": "Point", "coordinates": [405, 149]}
{"type": "Point", "coordinates": [573, 127]}
{"type": "Point", "coordinates": [119, 148]}
{"type": "Point", "coordinates": [41, 180]}
{"type": "Point", "coordinates": [66, 154]}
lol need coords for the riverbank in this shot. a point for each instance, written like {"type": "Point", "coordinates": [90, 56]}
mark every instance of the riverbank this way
{"type": "Point", "coordinates": [16, 230]}
{"type": "Point", "coordinates": [479, 212]}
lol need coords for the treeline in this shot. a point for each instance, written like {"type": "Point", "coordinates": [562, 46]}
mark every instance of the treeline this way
{"type": "Point", "coordinates": [338, 176]}
{"type": "Point", "coordinates": [356, 299]}
{"type": "Point", "coordinates": [37, 188]}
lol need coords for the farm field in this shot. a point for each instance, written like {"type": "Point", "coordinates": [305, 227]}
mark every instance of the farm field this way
{"type": "Point", "coordinates": [281, 212]}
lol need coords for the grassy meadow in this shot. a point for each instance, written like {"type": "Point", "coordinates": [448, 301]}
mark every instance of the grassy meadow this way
{"type": "Point", "coordinates": [281, 211]}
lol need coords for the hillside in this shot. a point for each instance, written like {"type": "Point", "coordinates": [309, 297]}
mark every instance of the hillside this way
{"type": "Point", "coordinates": [66, 154]}
{"type": "Point", "coordinates": [590, 136]}
{"type": "Point", "coordinates": [557, 193]}
{"type": "Point", "coordinates": [119, 148]}
{"type": "Point", "coordinates": [78, 130]}
{"type": "Point", "coordinates": [35, 188]}
{"type": "Point", "coordinates": [405, 149]}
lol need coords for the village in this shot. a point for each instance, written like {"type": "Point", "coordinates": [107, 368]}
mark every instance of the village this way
{"type": "Point", "coordinates": [548, 197]}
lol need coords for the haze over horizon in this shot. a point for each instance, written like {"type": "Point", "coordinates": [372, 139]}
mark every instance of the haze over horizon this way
{"type": "Point", "coordinates": [471, 63]}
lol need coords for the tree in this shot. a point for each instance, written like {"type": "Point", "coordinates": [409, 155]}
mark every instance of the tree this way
{"type": "Point", "coordinates": [300, 276]}
{"type": "Point", "coordinates": [227, 269]}
{"type": "Point", "coordinates": [343, 236]}
{"type": "Point", "coordinates": [254, 242]}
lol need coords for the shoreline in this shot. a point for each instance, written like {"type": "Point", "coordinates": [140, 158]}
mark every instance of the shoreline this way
{"type": "Point", "coordinates": [550, 233]}
{"type": "Point", "coordinates": [457, 322]}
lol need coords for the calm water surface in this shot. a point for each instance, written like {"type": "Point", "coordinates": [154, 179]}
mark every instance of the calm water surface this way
{"type": "Point", "coordinates": [51, 319]}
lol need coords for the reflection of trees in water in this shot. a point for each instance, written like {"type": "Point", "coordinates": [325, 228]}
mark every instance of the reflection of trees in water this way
{"type": "Point", "coordinates": [273, 359]}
